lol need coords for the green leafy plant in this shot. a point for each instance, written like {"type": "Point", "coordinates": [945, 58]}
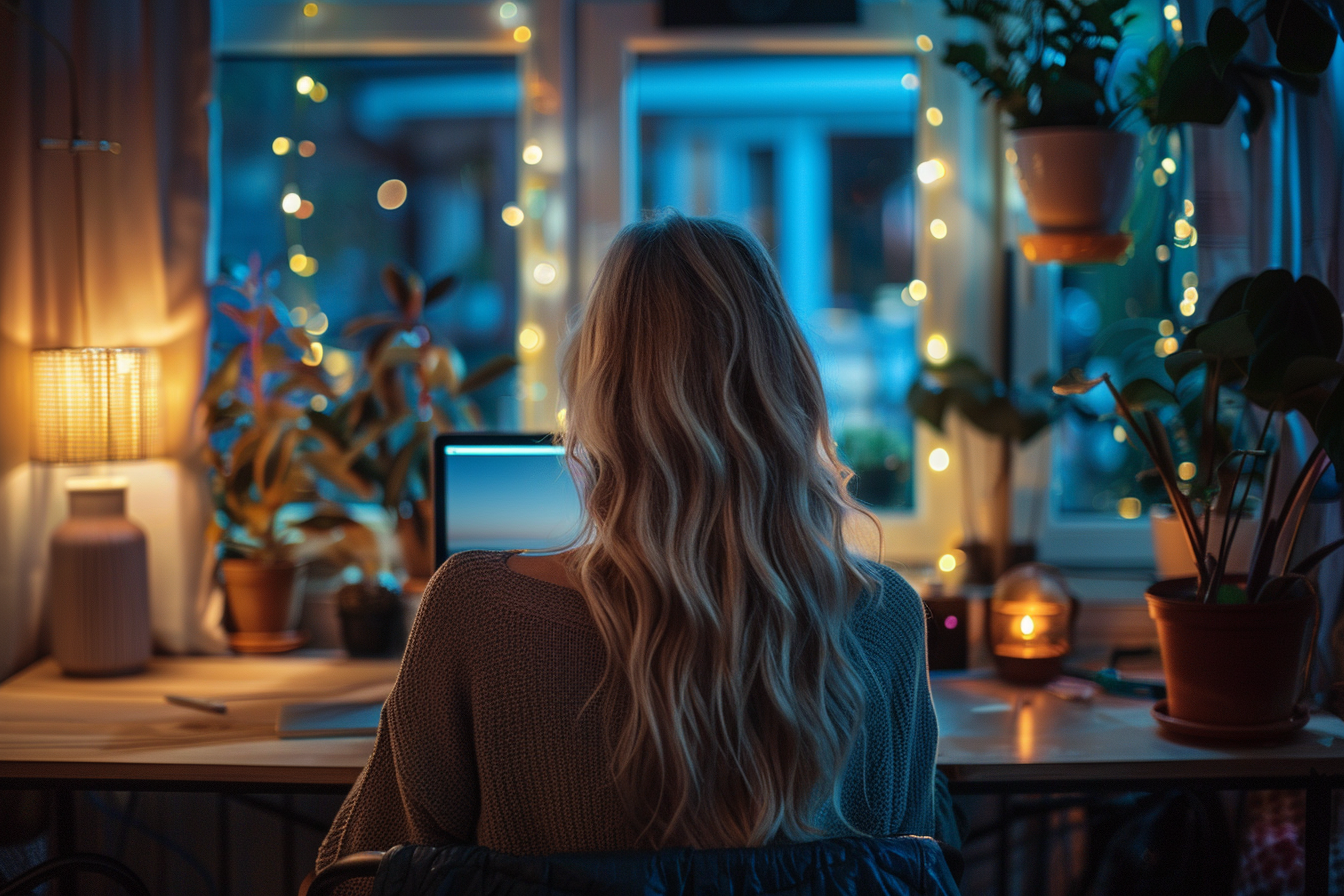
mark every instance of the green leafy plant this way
{"type": "Point", "coordinates": [1201, 83]}
{"type": "Point", "coordinates": [1010, 415]}
{"type": "Point", "coordinates": [259, 439]}
{"type": "Point", "coordinates": [1275, 338]}
{"type": "Point", "coordinates": [1052, 63]}
{"type": "Point", "coordinates": [879, 458]}
{"type": "Point", "coordinates": [376, 441]}
{"type": "Point", "coordinates": [1049, 62]}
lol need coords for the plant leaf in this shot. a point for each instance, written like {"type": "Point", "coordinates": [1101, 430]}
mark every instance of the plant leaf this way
{"type": "Point", "coordinates": [1182, 363]}
{"type": "Point", "coordinates": [486, 373]}
{"type": "Point", "coordinates": [1194, 90]}
{"type": "Point", "coordinates": [397, 289]}
{"type": "Point", "coordinates": [1304, 39]}
{"type": "Point", "coordinates": [1228, 338]}
{"type": "Point", "coordinates": [1329, 426]}
{"type": "Point", "coordinates": [369, 321]}
{"type": "Point", "coordinates": [225, 376]}
{"type": "Point", "coordinates": [1312, 560]}
{"type": "Point", "coordinates": [1075, 383]}
{"type": "Point", "coordinates": [440, 289]}
{"type": "Point", "coordinates": [1144, 393]}
{"type": "Point", "coordinates": [1226, 35]}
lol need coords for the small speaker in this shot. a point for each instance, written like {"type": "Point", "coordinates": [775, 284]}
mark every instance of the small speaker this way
{"type": "Point", "coordinates": [691, 13]}
{"type": "Point", "coordinates": [947, 625]}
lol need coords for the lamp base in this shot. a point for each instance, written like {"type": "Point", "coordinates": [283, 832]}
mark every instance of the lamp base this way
{"type": "Point", "coordinates": [1028, 670]}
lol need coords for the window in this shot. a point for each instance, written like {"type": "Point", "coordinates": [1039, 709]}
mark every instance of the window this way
{"type": "Point", "coordinates": [388, 161]}
{"type": "Point", "coordinates": [816, 155]}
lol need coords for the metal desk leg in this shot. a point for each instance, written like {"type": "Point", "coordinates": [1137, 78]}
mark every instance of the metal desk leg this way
{"type": "Point", "coordinates": [1317, 836]}
{"type": "Point", "coordinates": [1005, 846]}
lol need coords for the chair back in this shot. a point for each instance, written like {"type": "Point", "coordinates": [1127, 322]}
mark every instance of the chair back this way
{"type": "Point", "coordinates": [857, 866]}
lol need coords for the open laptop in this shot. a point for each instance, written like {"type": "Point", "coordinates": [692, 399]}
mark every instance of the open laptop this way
{"type": "Point", "coordinates": [497, 491]}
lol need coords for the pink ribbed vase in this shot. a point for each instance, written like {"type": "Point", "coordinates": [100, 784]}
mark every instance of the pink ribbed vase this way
{"type": "Point", "coordinates": [99, 583]}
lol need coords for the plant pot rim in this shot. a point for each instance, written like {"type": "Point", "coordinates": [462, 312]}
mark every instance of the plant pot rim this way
{"type": "Point", "coordinates": [1185, 586]}
{"type": "Point", "coordinates": [254, 563]}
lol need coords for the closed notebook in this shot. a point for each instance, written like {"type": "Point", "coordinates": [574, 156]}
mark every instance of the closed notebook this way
{"type": "Point", "coordinates": [328, 719]}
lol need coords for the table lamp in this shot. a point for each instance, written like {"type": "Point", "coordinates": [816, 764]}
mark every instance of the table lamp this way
{"type": "Point", "coordinates": [1029, 615]}
{"type": "Point", "coordinates": [91, 406]}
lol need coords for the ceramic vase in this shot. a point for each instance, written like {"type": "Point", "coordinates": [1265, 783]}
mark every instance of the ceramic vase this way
{"type": "Point", "coordinates": [99, 583]}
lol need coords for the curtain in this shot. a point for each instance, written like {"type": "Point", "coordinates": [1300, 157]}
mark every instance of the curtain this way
{"type": "Point", "coordinates": [143, 71]}
{"type": "Point", "coordinates": [1274, 198]}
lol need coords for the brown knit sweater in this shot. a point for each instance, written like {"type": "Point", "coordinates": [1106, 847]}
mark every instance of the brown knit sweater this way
{"type": "Point", "coordinates": [489, 737]}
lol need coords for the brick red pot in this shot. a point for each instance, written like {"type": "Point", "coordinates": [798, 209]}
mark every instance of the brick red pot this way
{"type": "Point", "coordinates": [1230, 665]}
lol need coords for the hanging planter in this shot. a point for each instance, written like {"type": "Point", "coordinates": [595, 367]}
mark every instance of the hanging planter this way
{"type": "Point", "coordinates": [1075, 178]}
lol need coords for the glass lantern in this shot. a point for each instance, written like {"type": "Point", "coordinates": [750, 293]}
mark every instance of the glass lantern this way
{"type": "Point", "coordinates": [1029, 623]}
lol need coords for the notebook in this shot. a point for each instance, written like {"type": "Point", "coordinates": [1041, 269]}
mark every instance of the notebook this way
{"type": "Point", "coordinates": [328, 719]}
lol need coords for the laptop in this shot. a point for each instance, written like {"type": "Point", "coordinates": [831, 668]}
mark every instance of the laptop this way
{"type": "Point", "coordinates": [499, 491]}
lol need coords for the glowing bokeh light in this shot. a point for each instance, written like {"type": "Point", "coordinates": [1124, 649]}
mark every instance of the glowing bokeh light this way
{"type": "Point", "coordinates": [304, 85]}
{"type": "Point", "coordinates": [392, 194]}
{"type": "Point", "coordinates": [280, 145]}
{"type": "Point", "coordinates": [512, 214]}
{"type": "Point", "coordinates": [939, 460]}
{"type": "Point", "coordinates": [936, 347]}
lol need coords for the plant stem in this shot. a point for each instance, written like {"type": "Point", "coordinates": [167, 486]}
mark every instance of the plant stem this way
{"type": "Point", "coordinates": [1179, 501]}
{"type": "Point", "coordinates": [1230, 525]}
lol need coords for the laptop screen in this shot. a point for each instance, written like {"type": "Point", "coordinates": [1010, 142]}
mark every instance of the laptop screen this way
{"type": "Point", "coordinates": [500, 491]}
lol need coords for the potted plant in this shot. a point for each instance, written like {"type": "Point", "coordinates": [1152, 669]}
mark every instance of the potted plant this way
{"type": "Point", "coordinates": [1052, 70]}
{"type": "Point", "coordinates": [258, 439]}
{"type": "Point", "coordinates": [1013, 417]}
{"type": "Point", "coordinates": [376, 440]}
{"type": "Point", "coordinates": [1235, 648]}
{"type": "Point", "coordinates": [1203, 419]}
{"type": "Point", "coordinates": [1070, 83]}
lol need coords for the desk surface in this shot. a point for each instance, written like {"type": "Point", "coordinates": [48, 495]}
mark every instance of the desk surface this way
{"type": "Point", "coordinates": [121, 730]}
{"type": "Point", "coordinates": [105, 732]}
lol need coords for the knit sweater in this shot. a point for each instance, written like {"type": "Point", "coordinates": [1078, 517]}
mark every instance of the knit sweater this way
{"type": "Point", "coordinates": [489, 735]}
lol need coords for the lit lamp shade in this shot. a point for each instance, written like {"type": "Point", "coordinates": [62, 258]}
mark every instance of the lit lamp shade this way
{"type": "Point", "coordinates": [1029, 623]}
{"type": "Point", "coordinates": [92, 405]}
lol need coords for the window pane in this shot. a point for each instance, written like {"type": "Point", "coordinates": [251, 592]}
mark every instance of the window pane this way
{"type": "Point", "coordinates": [445, 128]}
{"type": "Point", "coordinates": [1124, 320]}
{"type": "Point", "coordinates": [816, 156]}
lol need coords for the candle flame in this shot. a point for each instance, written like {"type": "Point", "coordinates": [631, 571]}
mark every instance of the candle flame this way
{"type": "Point", "coordinates": [1027, 626]}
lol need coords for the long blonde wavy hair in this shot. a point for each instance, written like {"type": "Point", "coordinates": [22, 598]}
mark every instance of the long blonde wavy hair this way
{"type": "Point", "coordinates": [714, 560]}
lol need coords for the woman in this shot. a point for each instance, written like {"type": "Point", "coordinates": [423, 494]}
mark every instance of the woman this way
{"type": "Point", "coordinates": [709, 665]}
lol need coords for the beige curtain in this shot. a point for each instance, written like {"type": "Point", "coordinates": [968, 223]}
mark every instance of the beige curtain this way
{"type": "Point", "coordinates": [143, 69]}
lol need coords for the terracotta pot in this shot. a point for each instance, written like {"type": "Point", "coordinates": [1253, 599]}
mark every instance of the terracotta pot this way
{"type": "Point", "coordinates": [1173, 556]}
{"type": "Point", "coordinates": [265, 600]}
{"type": "Point", "coordinates": [1075, 178]}
{"type": "Point", "coordinates": [1230, 665]}
{"type": "Point", "coordinates": [416, 552]}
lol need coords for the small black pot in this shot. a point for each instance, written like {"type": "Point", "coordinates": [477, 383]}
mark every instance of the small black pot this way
{"type": "Point", "coordinates": [370, 634]}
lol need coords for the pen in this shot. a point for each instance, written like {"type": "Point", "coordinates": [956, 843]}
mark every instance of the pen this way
{"type": "Point", "coordinates": [196, 703]}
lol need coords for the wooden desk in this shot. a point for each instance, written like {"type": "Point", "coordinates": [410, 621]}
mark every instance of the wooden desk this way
{"type": "Point", "coordinates": [997, 738]}
{"type": "Point", "coordinates": [119, 733]}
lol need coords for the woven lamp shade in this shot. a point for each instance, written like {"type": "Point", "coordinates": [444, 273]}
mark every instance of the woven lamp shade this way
{"type": "Point", "coordinates": [95, 404]}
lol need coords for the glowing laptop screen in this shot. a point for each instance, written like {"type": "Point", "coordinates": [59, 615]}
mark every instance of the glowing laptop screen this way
{"type": "Point", "coordinates": [506, 495]}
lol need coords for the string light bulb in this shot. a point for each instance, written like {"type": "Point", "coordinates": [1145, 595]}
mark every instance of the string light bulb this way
{"type": "Point", "coordinates": [939, 460]}
{"type": "Point", "coordinates": [938, 228]}
{"type": "Point", "coordinates": [290, 203]}
{"type": "Point", "coordinates": [304, 85]}
{"type": "Point", "coordinates": [280, 145]}
{"type": "Point", "coordinates": [532, 153]}
{"type": "Point", "coordinates": [522, 34]}
{"type": "Point", "coordinates": [512, 214]}
{"type": "Point", "coordinates": [933, 115]}
{"type": "Point", "coordinates": [930, 171]}
{"type": "Point", "coordinates": [924, 42]}
{"type": "Point", "coordinates": [936, 347]}
{"type": "Point", "coordinates": [544, 273]}
{"type": "Point", "coordinates": [310, 9]}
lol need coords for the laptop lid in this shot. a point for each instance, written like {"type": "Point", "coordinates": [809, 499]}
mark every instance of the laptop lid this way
{"type": "Point", "coordinates": [500, 491]}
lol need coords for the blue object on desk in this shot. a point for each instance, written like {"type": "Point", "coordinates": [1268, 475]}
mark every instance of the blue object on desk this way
{"type": "Point", "coordinates": [328, 720]}
{"type": "Point", "coordinates": [1110, 681]}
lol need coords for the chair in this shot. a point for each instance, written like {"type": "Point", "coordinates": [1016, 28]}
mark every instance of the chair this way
{"type": "Point", "coordinates": [892, 866]}
{"type": "Point", "coordinates": [80, 861]}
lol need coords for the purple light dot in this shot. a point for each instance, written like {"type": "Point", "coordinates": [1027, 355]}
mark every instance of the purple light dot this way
{"type": "Point", "coordinates": [950, 622]}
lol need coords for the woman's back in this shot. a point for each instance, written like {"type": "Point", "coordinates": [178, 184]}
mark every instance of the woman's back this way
{"type": "Point", "coordinates": [726, 671]}
{"type": "Point", "coordinates": [495, 731]}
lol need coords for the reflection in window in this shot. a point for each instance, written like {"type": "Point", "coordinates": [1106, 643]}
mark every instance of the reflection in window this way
{"type": "Point", "coordinates": [406, 162]}
{"type": "Point", "coordinates": [816, 156]}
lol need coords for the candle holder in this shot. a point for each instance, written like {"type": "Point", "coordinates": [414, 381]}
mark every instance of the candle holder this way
{"type": "Point", "coordinates": [1029, 623]}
